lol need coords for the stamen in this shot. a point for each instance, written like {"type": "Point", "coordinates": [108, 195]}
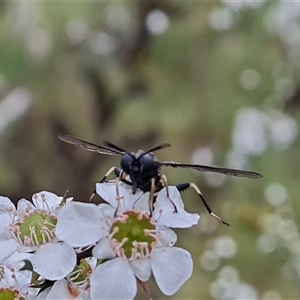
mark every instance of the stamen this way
{"type": "Point", "coordinates": [121, 218]}
{"type": "Point", "coordinates": [83, 284]}
{"type": "Point", "coordinates": [121, 253]}
{"type": "Point", "coordinates": [151, 232]}
{"type": "Point", "coordinates": [118, 253]}
{"type": "Point", "coordinates": [75, 274]}
{"type": "Point", "coordinates": [133, 235]}
{"type": "Point", "coordinates": [153, 245]}
{"type": "Point", "coordinates": [115, 230]}
{"type": "Point", "coordinates": [15, 232]}
{"type": "Point", "coordinates": [144, 249]}
{"type": "Point", "coordinates": [45, 203]}
{"type": "Point", "coordinates": [134, 252]}
{"type": "Point", "coordinates": [124, 240]}
{"type": "Point", "coordinates": [79, 276]}
{"type": "Point", "coordinates": [27, 241]}
{"type": "Point", "coordinates": [22, 295]}
{"type": "Point", "coordinates": [33, 236]}
{"type": "Point", "coordinates": [48, 224]}
{"type": "Point", "coordinates": [46, 234]}
{"type": "Point", "coordinates": [139, 216]}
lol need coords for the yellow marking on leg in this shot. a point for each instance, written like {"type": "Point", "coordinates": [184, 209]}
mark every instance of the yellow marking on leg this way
{"type": "Point", "coordinates": [151, 196]}
{"type": "Point", "coordinates": [164, 180]}
{"type": "Point", "coordinates": [102, 180]}
{"type": "Point", "coordinates": [118, 197]}
{"type": "Point", "coordinates": [196, 188]}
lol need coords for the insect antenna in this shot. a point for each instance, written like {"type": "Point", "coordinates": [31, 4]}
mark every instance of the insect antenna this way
{"type": "Point", "coordinates": [162, 146]}
{"type": "Point", "coordinates": [112, 146]}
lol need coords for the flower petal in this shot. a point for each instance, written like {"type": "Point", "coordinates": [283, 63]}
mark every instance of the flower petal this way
{"type": "Point", "coordinates": [54, 261]}
{"type": "Point", "coordinates": [24, 206]}
{"type": "Point", "coordinates": [8, 247]}
{"type": "Point", "coordinates": [80, 224]}
{"type": "Point", "coordinates": [43, 294]}
{"type": "Point", "coordinates": [5, 221]}
{"type": "Point", "coordinates": [167, 236]}
{"type": "Point", "coordinates": [174, 195]}
{"type": "Point", "coordinates": [108, 192]}
{"type": "Point", "coordinates": [129, 200]}
{"type": "Point", "coordinates": [60, 291]}
{"type": "Point", "coordinates": [142, 202]}
{"type": "Point", "coordinates": [141, 268]}
{"type": "Point", "coordinates": [17, 260]}
{"type": "Point", "coordinates": [6, 205]}
{"type": "Point", "coordinates": [108, 211]}
{"type": "Point", "coordinates": [45, 200]}
{"type": "Point", "coordinates": [179, 219]}
{"type": "Point", "coordinates": [171, 267]}
{"type": "Point", "coordinates": [164, 211]}
{"type": "Point", "coordinates": [113, 279]}
{"type": "Point", "coordinates": [103, 250]}
{"type": "Point", "coordinates": [12, 278]}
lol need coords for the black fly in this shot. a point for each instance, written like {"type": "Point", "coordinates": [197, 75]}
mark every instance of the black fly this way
{"type": "Point", "coordinates": [143, 169]}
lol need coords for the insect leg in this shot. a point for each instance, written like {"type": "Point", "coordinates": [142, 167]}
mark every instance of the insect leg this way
{"type": "Point", "coordinates": [164, 182]}
{"type": "Point", "coordinates": [118, 171]}
{"type": "Point", "coordinates": [151, 196]}
{"type": "Point", "coordinates": [184, 186]}
{"type": "Point", "coordinates": [118, 197]}
{"type": "Point", "coordinates": [112, 169]}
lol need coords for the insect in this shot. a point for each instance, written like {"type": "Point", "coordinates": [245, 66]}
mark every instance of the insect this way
{"type": "Point", "coordinates": [144, 170]}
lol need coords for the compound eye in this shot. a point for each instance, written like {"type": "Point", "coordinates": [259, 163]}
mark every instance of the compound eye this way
{"type": "Point", "coordinates": [126, 161]}
{"type": "Point", "coordinates": [147, 164]}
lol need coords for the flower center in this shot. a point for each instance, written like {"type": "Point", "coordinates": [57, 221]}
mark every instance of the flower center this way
{"type": "Point", "coordinates": [80, 275]}
{"type": "Point", "coordinates": [8, 294]}
{"type": "Point", "coordinates": [8, 284]}
{"type": "Point", "coordinates": [36, 228]}
{"type": "Point", "coordinates": [133, 235]}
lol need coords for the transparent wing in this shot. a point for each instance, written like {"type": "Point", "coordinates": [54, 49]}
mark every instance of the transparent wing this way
{"type": "Point", "coordinates": [113, 147]}
{"type": "Point", "coordinates": [202, 168]}
{"type": "Point", "coordinates": [89, 146]}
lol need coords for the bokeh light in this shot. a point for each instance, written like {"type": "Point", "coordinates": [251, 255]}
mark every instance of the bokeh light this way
{"type": "Point", "coordinates": [219, 80]}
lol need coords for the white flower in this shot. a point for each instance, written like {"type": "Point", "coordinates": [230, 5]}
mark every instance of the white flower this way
{"type": "Point", "coordinates": [74, 286]}
{"type": "Point", "coordinates": [164, 210]}
{"type": "Point", "coordinates": [63, 290]}
{"type": "Point", "coordinates": [133, 241]}
{"type": "Point", "coordinates": [14, 284]}
{"type": "Point", "coordinates": [31, 228]}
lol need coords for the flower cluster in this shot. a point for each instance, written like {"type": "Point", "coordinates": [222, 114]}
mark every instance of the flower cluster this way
{"type": "Point", "coordinates": [56, 248]}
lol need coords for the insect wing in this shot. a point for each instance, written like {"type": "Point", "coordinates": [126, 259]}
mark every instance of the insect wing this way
{"type": "Point", "coordinates": [88, 146]}
{"type": "Point", "coordinates": [202, 168]}
{"type": "Point", "coordinates": [113, 147]}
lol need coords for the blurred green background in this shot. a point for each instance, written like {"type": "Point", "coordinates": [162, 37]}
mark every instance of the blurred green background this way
{"type": "Point", "coordinates": [218, 80]}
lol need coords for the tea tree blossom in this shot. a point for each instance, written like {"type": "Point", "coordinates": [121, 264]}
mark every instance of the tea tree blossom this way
{"type": "Point", "coordinates": [31, 228]}
{"type": "Point", "coordinates": [73, 286]}
{"type": "Point", "coordinates": [15, 284]}
{"type": "Point", "coordinates": [131, 241]}
{"type": "Point", "coordinates": [83, 251]}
